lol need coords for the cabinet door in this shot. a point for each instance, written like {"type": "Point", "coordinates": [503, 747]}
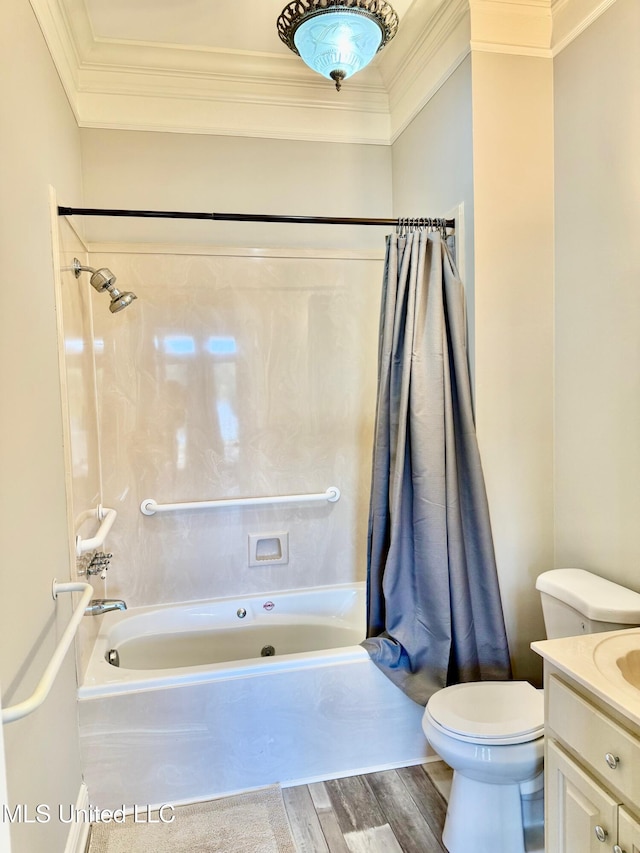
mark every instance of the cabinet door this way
{"type": "Point", "coordinates": [628, 833]}
{"type": "Point", "coordinates": [581, 816]}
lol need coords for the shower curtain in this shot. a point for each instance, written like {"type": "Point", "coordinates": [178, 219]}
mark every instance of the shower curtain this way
{"type": "Point", "coordinates": [434, 610]}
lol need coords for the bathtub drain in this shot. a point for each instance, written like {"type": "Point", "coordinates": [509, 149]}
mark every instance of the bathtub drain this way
{"type": "Point", "coordinates": [113, 657]}
{"type": "Point", "coordinates": [267, 651]}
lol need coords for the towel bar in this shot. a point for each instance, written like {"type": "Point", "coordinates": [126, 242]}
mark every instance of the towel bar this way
{"type": "Point", "coordinates": [150, 507]}
{"type": "Point", "coordinates": [16, 712]}
{"type": "Point", "coordinates": [106, 517]}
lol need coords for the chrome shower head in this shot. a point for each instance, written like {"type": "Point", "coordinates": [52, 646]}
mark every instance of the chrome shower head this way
{"type": "Point", "coordinates": [103, 279]}
{"type": "Point", "coordinates": [120, 300]}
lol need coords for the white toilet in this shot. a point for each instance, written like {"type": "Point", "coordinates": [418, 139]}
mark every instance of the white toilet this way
{"type": "Point", "coordinates": [491, 732]}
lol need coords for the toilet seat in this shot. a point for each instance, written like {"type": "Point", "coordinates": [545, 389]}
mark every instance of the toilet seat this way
{"type": "Point", "coordinates": [495, 713]}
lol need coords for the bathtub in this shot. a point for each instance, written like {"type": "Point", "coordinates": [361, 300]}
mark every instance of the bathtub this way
{"type": "Point", "coordinates": [215, 697]}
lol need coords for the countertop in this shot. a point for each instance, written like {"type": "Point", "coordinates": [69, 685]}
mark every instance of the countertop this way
{"type": "Point", "coordinates": [591, 660]}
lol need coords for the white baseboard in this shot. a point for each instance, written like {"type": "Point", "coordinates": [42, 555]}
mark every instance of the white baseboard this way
{"type": "Point", "coordinates": [79, 830]}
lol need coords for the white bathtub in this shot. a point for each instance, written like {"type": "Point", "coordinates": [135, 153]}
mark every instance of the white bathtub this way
{"type": "Point", "coordinates": [194, 710]}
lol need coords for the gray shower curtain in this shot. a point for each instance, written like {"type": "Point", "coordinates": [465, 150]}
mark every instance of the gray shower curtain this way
{"type": "Point", "coordinates": [434, 609]}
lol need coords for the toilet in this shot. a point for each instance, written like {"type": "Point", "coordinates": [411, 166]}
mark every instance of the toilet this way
{"type": "Point", "coordinates": [491, 733]}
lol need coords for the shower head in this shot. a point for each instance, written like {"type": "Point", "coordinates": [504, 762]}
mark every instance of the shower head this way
{"type": "Point", "coordinates": [120, 300]}
{"type": "Point", "coordinates": [103, 279]}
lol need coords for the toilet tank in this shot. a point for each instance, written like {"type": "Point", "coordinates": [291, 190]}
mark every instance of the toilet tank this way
{"type": "Point", "coordinates": [575, 601]}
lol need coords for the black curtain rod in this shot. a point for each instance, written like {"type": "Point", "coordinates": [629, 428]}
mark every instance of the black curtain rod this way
{"type": "Point", "coordinates": [252, 217]}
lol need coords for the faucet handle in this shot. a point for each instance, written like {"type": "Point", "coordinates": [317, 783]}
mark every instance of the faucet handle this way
{"type": "Point", "coordinates": [99, 564]}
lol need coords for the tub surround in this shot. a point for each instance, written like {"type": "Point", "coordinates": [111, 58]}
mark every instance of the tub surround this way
{"type": "Point", "coordinates": [80, 415]}
{"type": "Point", "coordinates": [236, 376]}
{"type": "Point", "coordinates": [238, 372]}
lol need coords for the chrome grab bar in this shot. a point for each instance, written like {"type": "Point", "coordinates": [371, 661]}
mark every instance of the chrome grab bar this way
{"type": "Point", "coordinates": [16, 712]}
{"type": "Point", "coordinates": [150, 507]}
{"type": "Point", "coordinates": [106, 517]}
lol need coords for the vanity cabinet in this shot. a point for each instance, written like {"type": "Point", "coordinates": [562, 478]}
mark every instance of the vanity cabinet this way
{"type": "Point", "coordinates": [581, 816]}
{"type": "Point", "coordinates": [628, 832]}
{"type": "Point", "coordinates": [592, 774]}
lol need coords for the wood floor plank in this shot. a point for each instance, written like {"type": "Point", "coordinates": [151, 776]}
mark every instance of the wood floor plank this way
{"type": "Point", "coordinates": [379, 839]}
{"type": "Point", "coordinates": [426, 796]}
{"type": "Point", "coordinates": [305, 823]}
{"type": "Point", "coordinates": [332, 832]}
{"type": "Point", "coordinates": [327, 817]}
{"type": "Point", "coordinates": [354, 804]}
{"type": "Point", "coordinates": [320, 796]}
{"type": "Point", "coordinates": [407, 821]}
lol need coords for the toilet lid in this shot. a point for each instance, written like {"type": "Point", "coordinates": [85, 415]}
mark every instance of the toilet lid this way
{"type": "Point", "coordinates": [490, 710]}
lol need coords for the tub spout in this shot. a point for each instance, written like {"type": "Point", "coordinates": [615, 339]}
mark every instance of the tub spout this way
{"type": "Point", "coordinates": [98, 606]}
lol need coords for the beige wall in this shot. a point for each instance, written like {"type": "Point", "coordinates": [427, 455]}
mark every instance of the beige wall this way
{"type": "Point", "coordinates": [597, 120]}
{"type": "Point", "coordinates": [433, 169]}
{"type": "Point", "coordinates": [174, 171]}
{"type": "Point", "coordinates": [5, 835]}
{"type": "Point", "coordinates": [40, 146]}
{"type": "Point", "coordinates": [513, 236]}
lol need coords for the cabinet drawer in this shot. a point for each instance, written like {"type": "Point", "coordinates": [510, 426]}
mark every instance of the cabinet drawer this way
{"type": "Point", "coordinates": [591, 735]}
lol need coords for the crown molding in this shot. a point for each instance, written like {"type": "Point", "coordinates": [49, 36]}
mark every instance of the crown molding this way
{"type": "Point", "coordinates": [232, 117]}
{"type": "Point", "coordinates": [176, 88]}
{"type": "Point", "coordinates": [572, 17]}
{"type": "Point", "coordinates": [418, 68]}
{"type": "Point", "coordinates": [263, 101]}
{"type": "Point", "coordinates": [516, 27]}
{"type": "Point", "coordinates": [61, 45]}
{"type": "Point", "coordinates": [185, 100]}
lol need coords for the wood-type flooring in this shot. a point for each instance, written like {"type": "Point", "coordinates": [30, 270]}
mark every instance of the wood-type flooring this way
{"type": "Point", "coordinates": [392, 811]}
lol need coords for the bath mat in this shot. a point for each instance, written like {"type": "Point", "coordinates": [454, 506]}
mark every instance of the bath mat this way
{"type": "Point", "coordinates": [255, 822]}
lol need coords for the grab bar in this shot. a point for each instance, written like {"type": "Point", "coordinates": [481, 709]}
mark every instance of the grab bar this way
{"type": "Point", "coordinates": [106, 517]}
{"type": "Point", "coordinates": [150, 507]}
{"type": "Point", "coordinates": [16, 712]}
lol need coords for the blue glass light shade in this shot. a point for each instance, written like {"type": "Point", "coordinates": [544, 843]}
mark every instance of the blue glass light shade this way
{"type": "Point", "coordinates": [336, 38]}
{"type": "Point", "coordinates": [336, 44]}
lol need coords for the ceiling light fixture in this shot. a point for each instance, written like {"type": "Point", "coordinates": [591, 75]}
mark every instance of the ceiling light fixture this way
{"type": "Point", "coordinates": [336, 38]}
